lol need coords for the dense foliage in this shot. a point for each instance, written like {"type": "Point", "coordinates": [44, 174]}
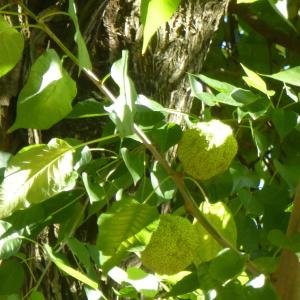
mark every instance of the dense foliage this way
{"type": "Point", "coordinates": [104, 214]}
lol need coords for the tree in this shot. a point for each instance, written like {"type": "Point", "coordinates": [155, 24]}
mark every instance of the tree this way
{"type": "Point", "coordinates": [93, 207]}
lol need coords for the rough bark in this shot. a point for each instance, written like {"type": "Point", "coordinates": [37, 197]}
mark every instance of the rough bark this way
{"type": "Point", "coordinates": [179, 47]}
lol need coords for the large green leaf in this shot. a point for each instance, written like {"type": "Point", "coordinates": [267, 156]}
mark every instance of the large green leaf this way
{"type": "Point", "coordinates": [221, 219]}
{"type": "Point", "coordinates": [11, 48]}
{"type": "Point", "coordinates": [47, 95]}
{"type": "Point", "coordinates": [291, 76]}
{"type": "Point", "coordinates": [155, 13]}
{"type": "Point", "coordinates": [35, 174]}
{"type": "Point", "coordinates": [117, 227]}
{"type": "Point", "coordinates": [122, 111]}
{"type": "Point", "coordinates": [83, 55]}
{"type": "Point", "coordinates": [62, 264]}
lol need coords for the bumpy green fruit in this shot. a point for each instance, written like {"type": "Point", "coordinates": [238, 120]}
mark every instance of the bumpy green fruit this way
{"type": "Point", "coordinates": [207, 149]}
{"type": "Point", "coordinates": [172, 246]}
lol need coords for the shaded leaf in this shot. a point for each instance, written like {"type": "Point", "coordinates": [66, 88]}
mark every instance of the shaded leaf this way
{"type": "Point", "coordinates": [36, 296]}
{"type": "Point", "coordinates": [284, 121]}
{"type": "Point", "coordinates": [226, 265]}
{"type": "Point", "coordinates": [11, 277]}
{"type": "Point", "coordinates": [61, 263]}
{"type": "Point", "coordinates": [88, 108]}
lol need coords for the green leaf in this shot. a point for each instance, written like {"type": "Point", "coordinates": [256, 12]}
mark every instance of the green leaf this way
{"type": "Point", "coordinates": [88, 108]}
{"type": "Point", "coordinates": [83, 55]}
{"type": "Point", "coordinates": [12, 45]}
{"type": "Point", "coordinates": [165, 136]}
{"type": "Point", "coordinates": [149, 112]}
{"type": "Point", "coordinates": [11, 277]}
{"type": "Point", "coordinates": [284, 121]}
{"type": "Point", "coordinates": [278, 238]}
{"type": "Point", "coordinates": [123, 109]}
{"type": "Point", "coordinates": [220, 218]}
{"type": "Point", "coordinates": [228, 94]}
{"type": "Point", "coordinates": [47, 95]}
{"type": "Point", "coordinates": [252, 205]}
{"type": "Point", "coordinates": [162, 184]}
{"type": "Point", "coordinates": [219, 86]}
{"type": "Point", "coordinates": [255, 81]}
{"type": "Point", "coordinates": [9, 244]}
{"type": "Point", "coordinates": [117, 227]}
{"type": "Point", "coordinates": [36, 296]}
{"type": "Point", "coordinates": [187, 284]}
{"type": "Point", "coordinates": [134, 163]}
{"type": "Point", "coordinates": [61, 264]}
{"type": "Point", "coordinates": [35, 174]}
{"type": "Point", "coordinates": [290, 76]}
{"type": "Point", "coordinates": [80, 251]}
{"type": "Point", "coordinates": [94, 191]}
{"type": "Point", "coordinates": [155, 13]}
{"type": "Point", "coordinates": [226, 265]}
{"type": "Point", "coordinates": [289, 171]}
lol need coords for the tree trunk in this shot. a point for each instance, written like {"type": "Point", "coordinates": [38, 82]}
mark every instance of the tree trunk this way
{"type": "Point", "coordinates": [179, 47]}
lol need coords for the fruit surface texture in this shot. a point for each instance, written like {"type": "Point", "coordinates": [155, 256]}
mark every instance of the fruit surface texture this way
{"type": "Point", "coordinates": [172, 246]}
{"type": "Point", "coordinates": [207, 149]}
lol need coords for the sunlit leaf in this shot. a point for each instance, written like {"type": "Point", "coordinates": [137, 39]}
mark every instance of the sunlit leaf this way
{"type": "Point", "coordinates": [220, 218]}
{"type": "Point", "coordinates": [155, 13]}
{"type": "Point", "coordinates": [11, 49]}
{"type": "Point", "coordinates": [290, 76]}
{"type": "Point", "coordinates": [35, 174]}
{"type": "Point", "coordinates": [47, 95]}
{"type": "Point", "coordinates": [122, 111]}
{"type": "Point", "coordinates": [83, 55]}
{"type": "Point", "coordinates": [9, 244]}
{"type": "Point", "coordinates": [162, 184]}
{"type": "Point", "coordinates": [114, 228]}
{"type": "Point", "coordinates": [255, 81]}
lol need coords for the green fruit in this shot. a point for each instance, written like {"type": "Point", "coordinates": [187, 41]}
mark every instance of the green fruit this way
{"type": "Point", "coordinates": [207, 149]}
{"type": "Point", "coordinates": [172, 246]}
